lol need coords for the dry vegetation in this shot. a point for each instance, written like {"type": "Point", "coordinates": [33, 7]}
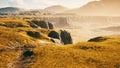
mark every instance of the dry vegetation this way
{"type": "Point", "coordinates": [81, 55]}
{"type": "Point", "coordinates": [12, 23]}
{"type": "Point", "coordinates": [18, 36]}
{"type": "Point", "coordinates": [8, 58]}
{"type": "Point", "coordinates": [104, 54]}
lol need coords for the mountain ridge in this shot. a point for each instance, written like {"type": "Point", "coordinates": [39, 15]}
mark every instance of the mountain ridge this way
{"type": "Point", "coordinates": [98, 8]}
{"type": "Point", "coordinates": [56, 9]}
{"type": "Point", "coordinates": [51, 9]}
{"type": "Point", "coordinates": [11, 10]}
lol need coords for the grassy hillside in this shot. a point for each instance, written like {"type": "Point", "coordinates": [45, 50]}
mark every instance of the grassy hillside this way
{"type": "Point", "coordinates": [15, 42]}
{"type": "Point", "coordinates": [82, 55]}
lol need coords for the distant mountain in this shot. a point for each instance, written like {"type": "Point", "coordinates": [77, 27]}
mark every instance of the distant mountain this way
{"type": "Point", "coordinates": [99, 8]}
{"type": "Point", "coordinates": [11, 10]}
{"type": "Point", "coordinates": [49, 10]}
{"type": "Point", "coordinates": [56, 9]}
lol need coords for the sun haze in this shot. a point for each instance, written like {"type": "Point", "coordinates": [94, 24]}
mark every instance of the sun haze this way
{"type": "Point", "coordinates": [40, 4]}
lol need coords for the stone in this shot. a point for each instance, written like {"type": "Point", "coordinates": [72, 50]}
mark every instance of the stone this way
{"type": "Point", "coordinates": [97, 39]}
{"type": "Point", "coordinates": [28, 53]}
{"type": "Point", "coordinates": [34, 34]}
{"type": "Point", "coordinates": [65, 37]}
{"type": "Point", "coordinates": [53, 34]}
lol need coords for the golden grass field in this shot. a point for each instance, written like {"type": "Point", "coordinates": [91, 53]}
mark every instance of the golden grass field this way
{"type": "Point", "coordinates": [104, 54]}
{"type": "Point", "coordinates": [81, 55]}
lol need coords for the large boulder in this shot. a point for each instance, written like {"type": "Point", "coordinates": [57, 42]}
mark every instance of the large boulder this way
{"type": "Point", "coordinates": [65, 37]}
{"type": "Point", "coordinates": [28, 53]}
{"type": "Point", "coordinates": [53, 34]}
{"type": "Point", "coordinates": [34, 34]}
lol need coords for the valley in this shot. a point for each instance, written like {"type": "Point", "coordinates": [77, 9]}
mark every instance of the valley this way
{"type": "Point", "coordinates": [59, 34]}
{"type": "Point", "coordinates": [81, 28]}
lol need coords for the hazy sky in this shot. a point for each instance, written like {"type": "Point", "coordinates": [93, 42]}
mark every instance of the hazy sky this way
{"type": "Point", "coordinates": [39, 4]}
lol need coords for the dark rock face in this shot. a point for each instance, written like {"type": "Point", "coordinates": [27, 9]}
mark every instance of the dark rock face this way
{"type": "Point", "coordinates": [34, 34]}
{"type": "Point", "coordinates": [41, 24]}
{"type": "Point", "coordinates": [32, 24]}
{"type": "Point", "coordinates": [53, 34]}
{"type": "Point", "coordinates": [65, 37]}
{"type": "Point", "coordinates": [97, 39]}
{"type": "Point", "coordinates": [50, 25]}
{"type": "Point", "coordinates": [28, 53]}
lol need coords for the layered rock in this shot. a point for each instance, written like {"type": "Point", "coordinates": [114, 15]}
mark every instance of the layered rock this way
{"type": "Point", "coordinates": [42, 24]}
{"type": "Point", "coordinates": [64, 37]}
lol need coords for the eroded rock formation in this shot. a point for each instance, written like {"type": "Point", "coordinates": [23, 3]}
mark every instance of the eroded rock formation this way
{"type": "Point", "coordinates": [50, 25]}
{"type": "Point", "coordinates": [65, 37]}
{"type": "Point", "coordinates": [33, 25]}
{"type": "Point", "coordinates": [42, 24]}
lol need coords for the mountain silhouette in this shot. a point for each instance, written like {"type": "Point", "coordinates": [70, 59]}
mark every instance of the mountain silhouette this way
{"type": "Point", "coordinates": [11, 10]}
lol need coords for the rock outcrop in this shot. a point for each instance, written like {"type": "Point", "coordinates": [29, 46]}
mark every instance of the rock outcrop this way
{"type": "Point", "coordinates": [50, 25]}
{"type": "Point", "coordinates": [33, 25]}
{"type": "Point", "coordinates": [54, 34]}
{"type": "Point", "coordinates": [42, 24]}
{"type": "Point", "coordinates": [62, 36]}
{"type": "Point", "coordinates": [34, 34]}
{"type": "Point", "coordinates": [97, 39]}
{"type": "Point", "coordinates": [65, 37]}
{"type": "Point", "coordinates": [28, 53]}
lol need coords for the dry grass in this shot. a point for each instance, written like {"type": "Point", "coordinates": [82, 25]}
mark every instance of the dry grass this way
{"type": "Point", "coordinates": [8, 58]}
{"type": "Point", "coordinates": [12, 23]}
{"type": "Point", "coordinates": [13, 38]}
{"type": "Point", "coordinates": [16, 37]}
{"type": "Point", "coordinates": [81, 55]}
{"type": "Point", "coordinates": [105, 54]}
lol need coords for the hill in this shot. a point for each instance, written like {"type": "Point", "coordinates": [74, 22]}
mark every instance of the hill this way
{"type": "Point", "coordinates": [22, 46]}
{"type": "Point", "coordinates": [56, 9]}
{"type": "Point", "coordinates": [98, 8]}
{"type": "Point", "coordinates": [81, 55]}
{"type": "Point", "coordinates": [11, 10]}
